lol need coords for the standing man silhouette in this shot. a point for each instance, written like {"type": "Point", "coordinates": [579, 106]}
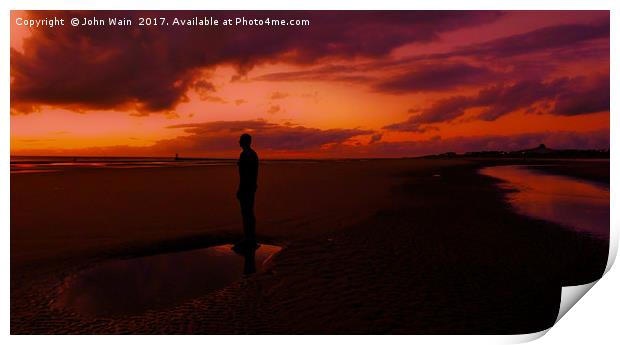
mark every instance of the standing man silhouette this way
{"type": "Point", "coordinates": [248, 173]}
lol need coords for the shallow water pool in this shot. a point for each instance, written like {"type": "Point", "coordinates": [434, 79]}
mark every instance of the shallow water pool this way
{"type": "Point", "coordinates": [577, 204]}
{"type": "Point", "coordinates": [133, 286]}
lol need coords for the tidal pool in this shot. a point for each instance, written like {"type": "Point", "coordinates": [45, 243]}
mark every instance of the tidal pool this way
{"type": "Point", "coordinates": [577, 204]}
{"type": "Point", "coordinates": [133, 286]}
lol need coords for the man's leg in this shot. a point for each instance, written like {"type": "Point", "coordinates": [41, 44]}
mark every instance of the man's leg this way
{"type": "Point", "coordinates": [247, 214]}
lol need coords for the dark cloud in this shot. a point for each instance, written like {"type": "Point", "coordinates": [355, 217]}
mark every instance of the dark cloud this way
{"type": "Point", "coordinates": [438, 77]}
{"type": "Point", "coordinates": [441, 111]}
{"type": "Point", "coordinates": [222, 135]}
{"type": "Point", "coordinates": [533, 54]}
{"type": "Point", "coordinates": [204, 86]}
{"type": "Point", "coordinates": [278, 95]}
{"type": "Point", "coordinates": [569, 96]}
{"type": "Point", "coordinates": [571, 41]}
{"type": "Point", "coordinates": [341, 73]}
{"type": "Point", "coordinates": [273, 109]}
{"type": "Point", "coordinates": [219, 139]}
{"type": "Point", "coordinates": [592, 97]}
{"type": "Point", "coordinates": [204, 89]}
{"type": "Point", "coordinates": [375, 138]}
{"type": "Point", "coordinates": [502, 100]}
{"type": "Point", "coordinates": [435, 145]}
{"type": "Point", "coordinates": [414, 76]}
{"type": "Point", "coordinates": [549, 38]}
{"type": "Point", "coordinates": [151, 68]}
{"type": "Point", "coordinates": [567, 41]}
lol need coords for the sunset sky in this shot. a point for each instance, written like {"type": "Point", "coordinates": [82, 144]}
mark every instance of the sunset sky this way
{"type": "Point", "coordinates": [351, 84]}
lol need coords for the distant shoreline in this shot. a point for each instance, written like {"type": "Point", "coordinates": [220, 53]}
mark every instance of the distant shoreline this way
{"type": "Point", "coordinates": [18, 159]}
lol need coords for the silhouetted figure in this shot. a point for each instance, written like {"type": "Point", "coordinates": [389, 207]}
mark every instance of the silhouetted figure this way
{"type": "Point", "coordinates": [248, 173]}
{"type": "Point", "coordinates": [249, 263]}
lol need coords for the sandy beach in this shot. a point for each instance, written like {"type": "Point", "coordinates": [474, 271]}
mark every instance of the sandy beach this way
{"type": "Point", "coordinates": [413, 246]}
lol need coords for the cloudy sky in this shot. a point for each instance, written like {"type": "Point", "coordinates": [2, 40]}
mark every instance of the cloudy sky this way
{"type": "Point", "coordinates": [351, 84]}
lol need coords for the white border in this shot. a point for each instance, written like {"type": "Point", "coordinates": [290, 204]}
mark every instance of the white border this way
{"type": "Point", "coordinates": [593, 319]}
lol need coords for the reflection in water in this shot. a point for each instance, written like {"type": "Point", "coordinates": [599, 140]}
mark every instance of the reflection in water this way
{"type": "Point", "coordinates": [32, 171]}
{"type": "Point", "coordinates": [135, 285]}
{"type": "Point", "coordinates": [248, 251]}
{"type": "Point", "coordinates": [577, 204]}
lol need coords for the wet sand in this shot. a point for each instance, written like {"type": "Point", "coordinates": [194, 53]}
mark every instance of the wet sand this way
{"type": "Point", "coordinates": [575, 203]}
{"type": "Point", "coordinates": [594, 170]}
{"type": "Point", "coordinates": [380, 246]}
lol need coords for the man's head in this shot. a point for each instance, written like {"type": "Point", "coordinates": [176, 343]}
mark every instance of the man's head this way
{"type": "Point", "coordinates": [245, 140]}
